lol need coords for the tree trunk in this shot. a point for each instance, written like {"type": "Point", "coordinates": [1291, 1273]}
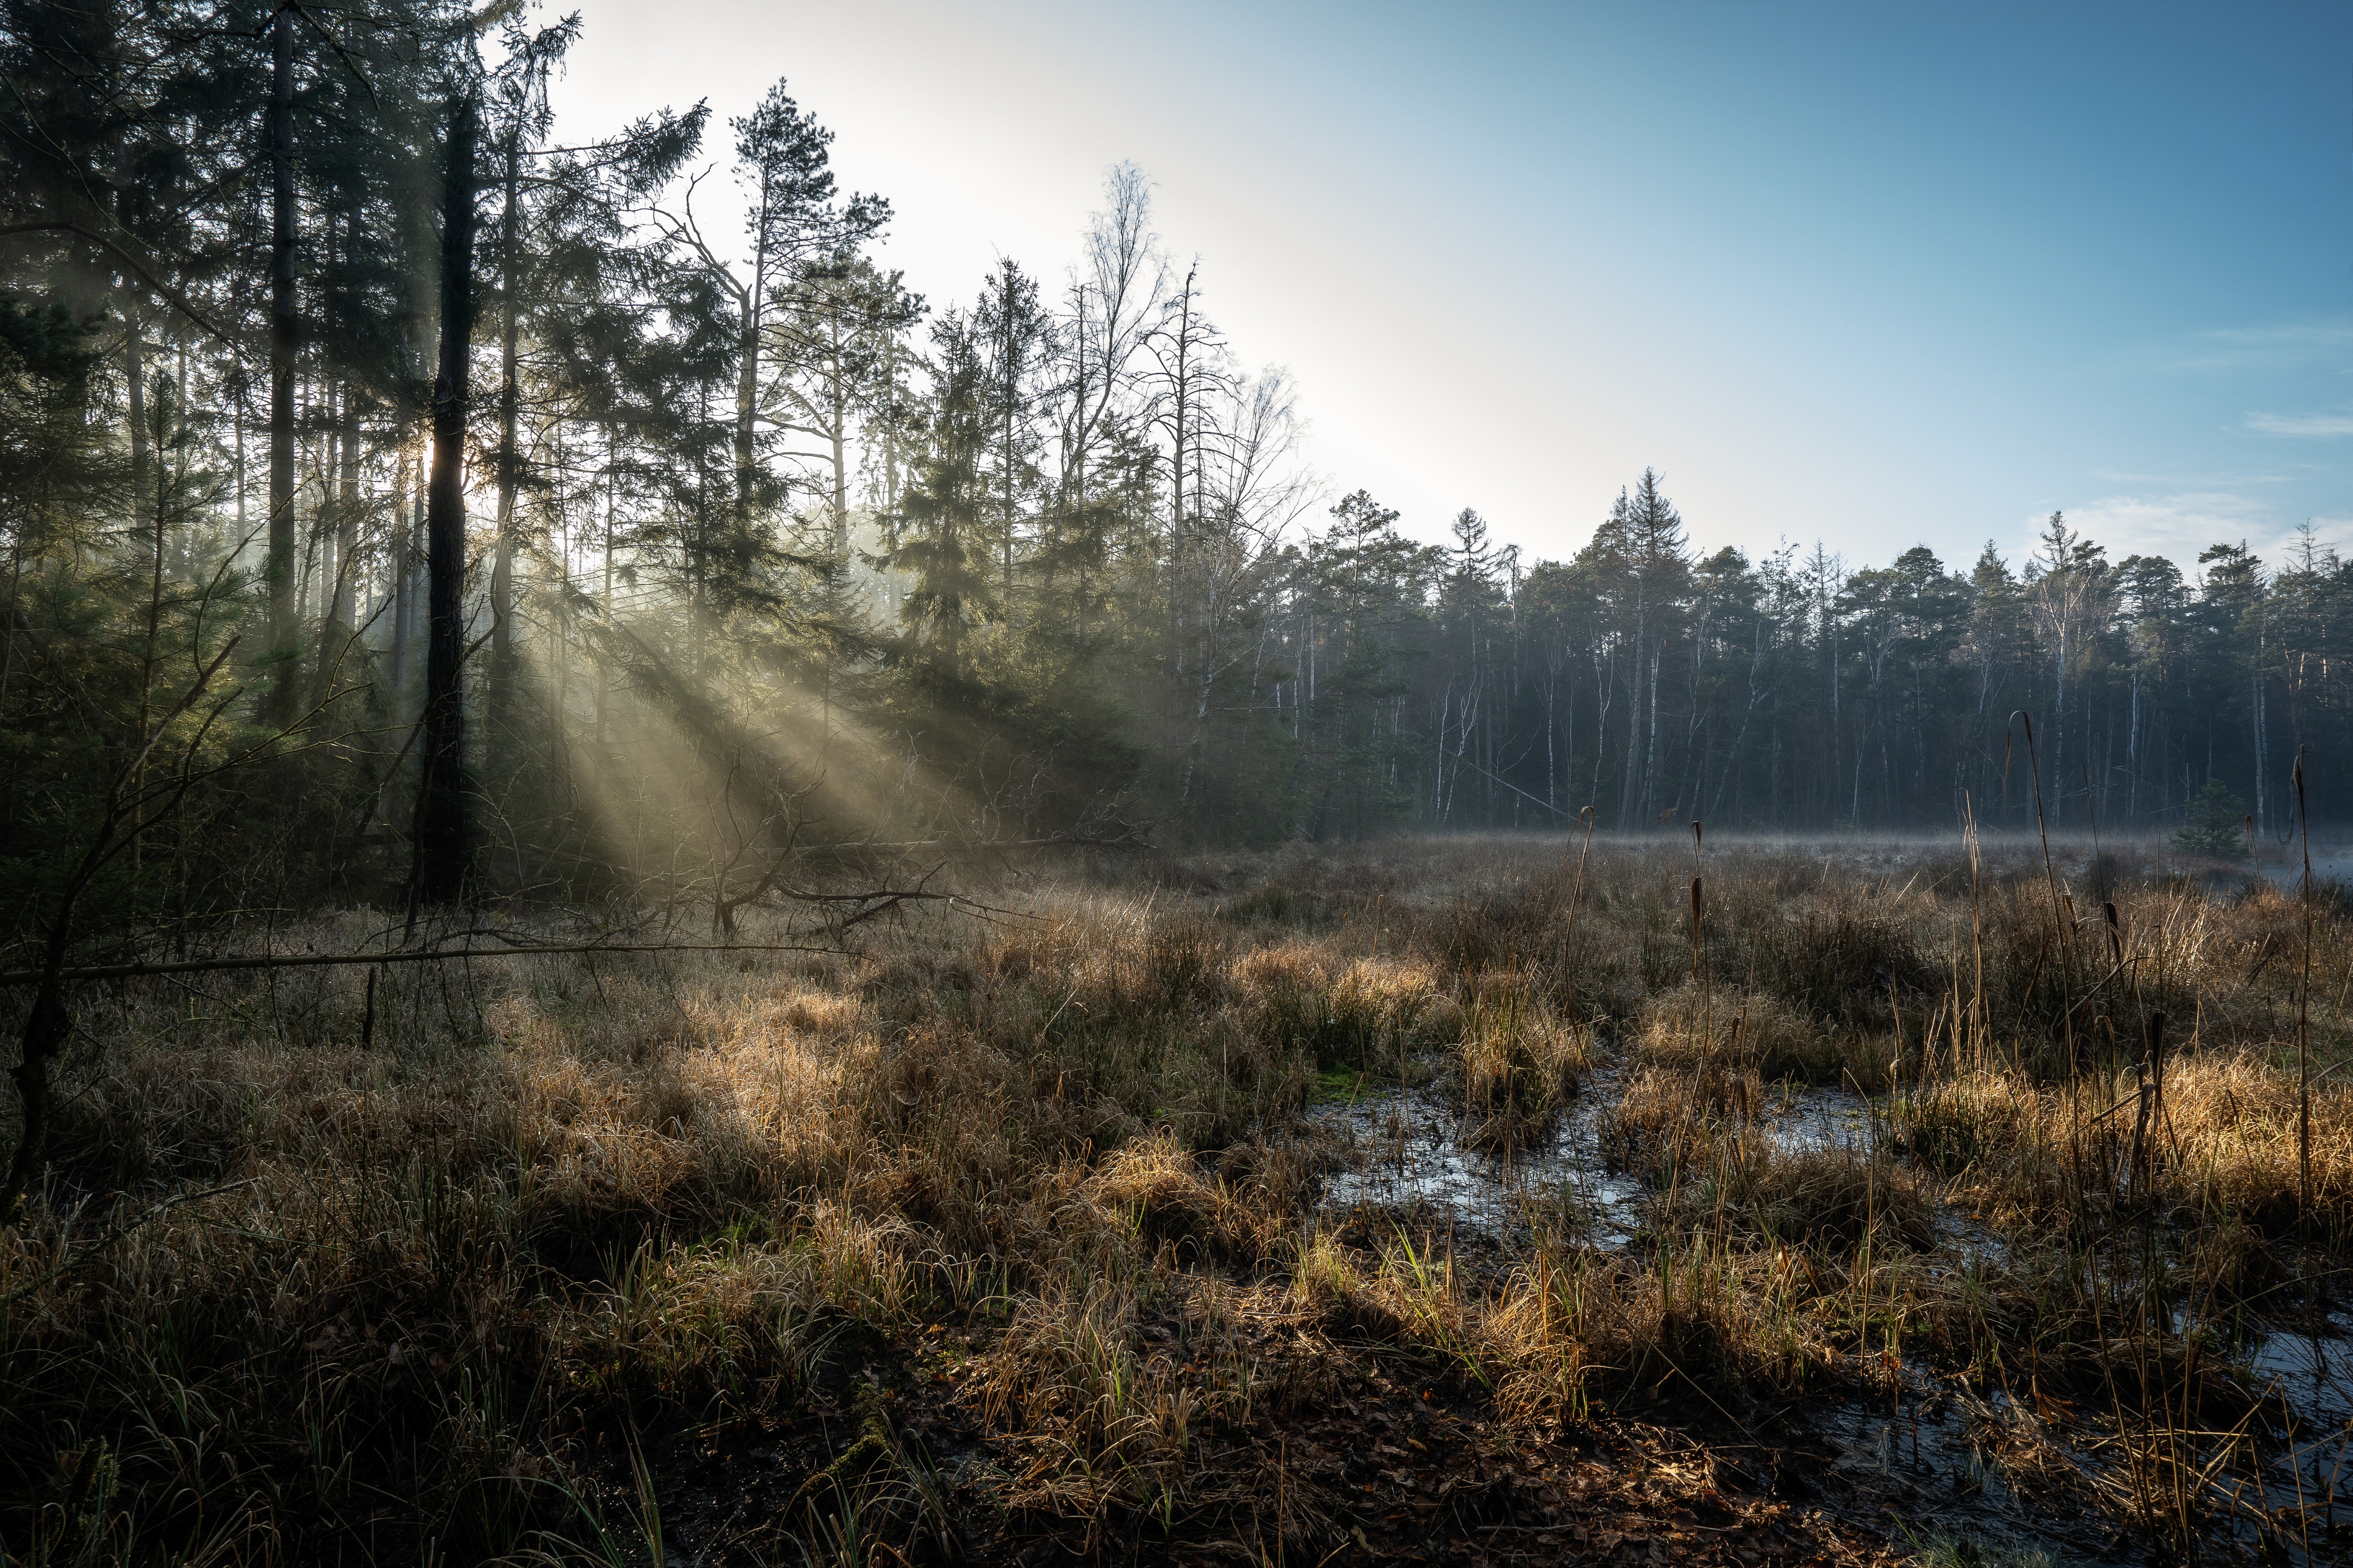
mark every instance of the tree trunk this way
{"type": "Point", "coordinates": [747, 391]}
{"type": "Point", "coordinates": [48, 1026]}
{"type": "Point", "coordinates": [339, 476]}
{"type": "Point", "coordinates": [404, 546]}
{"type": "Point", "coordinates": [605, 596]}
{"type": "Point", "coordinates": [347, 524]}
{"type": "Point", "coordinates": [502, 595]}
{"type": "Point", "coordinates": [134, 380]}
{"type": "Point", "coordinates": [1007, 330]}
{"type": "Point", "coordinates": [1176, 487]}
{"type": "Point", "coordinates": [438, 870]}
{"type": "Point", "coordinates": [1650, 758]}
{"type": "Point", "coordinates": [1626, 795]}
{"type": "Point", "coordinates": [2059, 726]}
{"type": "Point", "coordinates": [838, 396]}
{"type": "Point", "coordinates": [278, 572]}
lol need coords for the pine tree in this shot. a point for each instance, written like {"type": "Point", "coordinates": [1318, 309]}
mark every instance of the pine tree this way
{"type": "Point", "coordinates": [942, 518]}
{"type": "Point", "coordinates": [791, 223]}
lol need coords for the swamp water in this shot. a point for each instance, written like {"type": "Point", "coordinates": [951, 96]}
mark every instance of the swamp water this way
{"type": "Point", "coordinates": [1923, 1459]}
{"type": "Point", "coordinates": [1411, 1152]}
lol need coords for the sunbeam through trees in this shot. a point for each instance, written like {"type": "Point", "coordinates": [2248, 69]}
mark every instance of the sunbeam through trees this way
{"type": "Point", "coordinates": [627, 848]}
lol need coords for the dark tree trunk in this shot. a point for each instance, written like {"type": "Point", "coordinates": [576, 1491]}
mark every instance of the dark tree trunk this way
{"type": "Point", "coordinates": [339, 493]}
{"type": "Point", "coordinates": [403, 547]}
{"type": "Point", "coordinates": [439, 856]}
{"type": "Point", "coordinates": [48, 1024]}
{"type": "Point", "coordinates": [509, 454]}
{"type": "Point", "coordinates": [286, 671]}
{"type": "Point", "coordinates": [134, 386]}
{"type": "Point", "coordinates": [747, 395]}
{"type": "Point", "coordinates": [344, 602]}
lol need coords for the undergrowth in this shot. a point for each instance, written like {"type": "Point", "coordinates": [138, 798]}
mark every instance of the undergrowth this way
{"type": "Point", "coordinates": [458, 1289]}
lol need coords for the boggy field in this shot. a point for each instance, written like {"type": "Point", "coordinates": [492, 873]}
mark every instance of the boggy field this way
{"type": "Point", "coordinates": [1431, 1200]}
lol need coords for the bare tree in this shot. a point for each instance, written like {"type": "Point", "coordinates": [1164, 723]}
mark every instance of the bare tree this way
{"type": "Point", "coordinates": [1115, 302]}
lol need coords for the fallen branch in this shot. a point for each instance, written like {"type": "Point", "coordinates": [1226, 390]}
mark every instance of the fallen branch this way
{"type": "Point", "coordinates": [71, 1258]}
{"type": "Point", "coordinates": [321, 960]}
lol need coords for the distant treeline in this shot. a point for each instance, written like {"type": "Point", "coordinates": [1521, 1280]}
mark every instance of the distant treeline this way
{"type": "Point", "coordinates": [1789, 690]}
{"type": "Point", "coordinates": [406, 500]}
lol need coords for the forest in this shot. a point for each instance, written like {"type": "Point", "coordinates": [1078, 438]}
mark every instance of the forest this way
{"type": "Point", "coordinates": [434, 535]}
{"type": "Point", "coordinates": [546, 517]}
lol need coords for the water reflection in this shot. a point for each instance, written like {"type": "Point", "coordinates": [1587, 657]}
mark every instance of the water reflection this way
{"type": "Point", "coordinates": [1412, 1151]}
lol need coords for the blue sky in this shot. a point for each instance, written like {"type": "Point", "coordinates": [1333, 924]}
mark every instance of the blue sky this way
{"type": "Point", "coordinates": [1877, 275]}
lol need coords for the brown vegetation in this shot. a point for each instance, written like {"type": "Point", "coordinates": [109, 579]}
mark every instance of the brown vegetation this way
{"type": "Point", "coordinates": [994, 1233]}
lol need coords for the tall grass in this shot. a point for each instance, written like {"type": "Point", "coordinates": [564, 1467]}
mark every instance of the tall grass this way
{"type": "Point", "coordinates": [438, 1268]}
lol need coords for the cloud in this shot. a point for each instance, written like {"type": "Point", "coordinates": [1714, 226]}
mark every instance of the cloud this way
{"type": "Point", "coordinates": [2232, 480]}
{"type": "Point", "coordinates": [2312, 427]}
{"type": "Point", "coordinates": [2291, 343]}
{"type": "Point", "coordinates": [2178, 526]}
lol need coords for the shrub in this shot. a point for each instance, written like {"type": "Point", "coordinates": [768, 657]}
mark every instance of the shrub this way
{"type": "Point", "coordinates": [2217, 823]}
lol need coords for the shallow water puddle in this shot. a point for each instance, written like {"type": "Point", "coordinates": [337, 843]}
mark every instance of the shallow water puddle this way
{"type": "Point", "coordinates": [1412, 1150]}
{"type": "Point", "coordinates": [1821, 1119]}
{"type": "Point", "coordinates": [1415, 1150]}
{"type": "Point", "coordinates": [1915, 1456]}
{"type": "Point", "coordinates": [2314, 1372]}
{"type": "Point", "coordinates": [1921, 1459]}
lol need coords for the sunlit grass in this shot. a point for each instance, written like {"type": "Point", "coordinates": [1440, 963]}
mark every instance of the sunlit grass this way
{"type": "Point", "coordinates": [276, 1278]}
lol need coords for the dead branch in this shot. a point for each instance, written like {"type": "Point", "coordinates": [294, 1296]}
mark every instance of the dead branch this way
{"type": "Point", "coordinates": [15, 977]}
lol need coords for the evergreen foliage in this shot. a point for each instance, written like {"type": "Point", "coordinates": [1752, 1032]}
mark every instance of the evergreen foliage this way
{"type": "Point", "coordinates": [743, 547]}
{"type": "Point", "coordinates": [2217, 823]}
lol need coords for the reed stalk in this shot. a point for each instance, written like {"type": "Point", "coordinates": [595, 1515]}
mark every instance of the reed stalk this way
{"type": "Point", "coordinates": [2304, 1005]}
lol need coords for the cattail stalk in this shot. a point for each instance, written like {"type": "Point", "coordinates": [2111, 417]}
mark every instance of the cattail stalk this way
{"type": "Point", "coordinates": [2304, 1003]}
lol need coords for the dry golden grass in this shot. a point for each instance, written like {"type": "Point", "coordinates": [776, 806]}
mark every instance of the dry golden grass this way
{"type": "Point", "coordinates": [280, 1284]}
{"type": "Point", "coordinates": [2222, 1141]}
{"type": "Point", "coordinates": [1518, 1064]}
{"type": "Point", "coordinates": [1753, 1031]}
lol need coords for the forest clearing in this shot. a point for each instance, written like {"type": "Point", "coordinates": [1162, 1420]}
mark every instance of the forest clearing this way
{"type": "Point", "coordinates": [1484, 1198]}
{"type": "Point", "coordinates": [724, 840]}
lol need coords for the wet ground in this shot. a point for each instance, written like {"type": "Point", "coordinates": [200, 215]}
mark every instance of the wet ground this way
{"type": "Point", "coordinates": [1410, 1154]}
{"type": "Point", "coordinates": [1402, 1458]}
{"type": "Point", "coordinates": [1413, 1151]}
{"type": "Point", "coordinates": [1924, 1461]}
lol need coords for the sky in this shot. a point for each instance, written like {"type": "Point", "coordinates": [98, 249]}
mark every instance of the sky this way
{"type": "Point", "coordinates": [1871, 275]}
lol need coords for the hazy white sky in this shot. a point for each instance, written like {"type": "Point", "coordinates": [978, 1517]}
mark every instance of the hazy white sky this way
{"type": "Point", "coordinates": [1876, 275]}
